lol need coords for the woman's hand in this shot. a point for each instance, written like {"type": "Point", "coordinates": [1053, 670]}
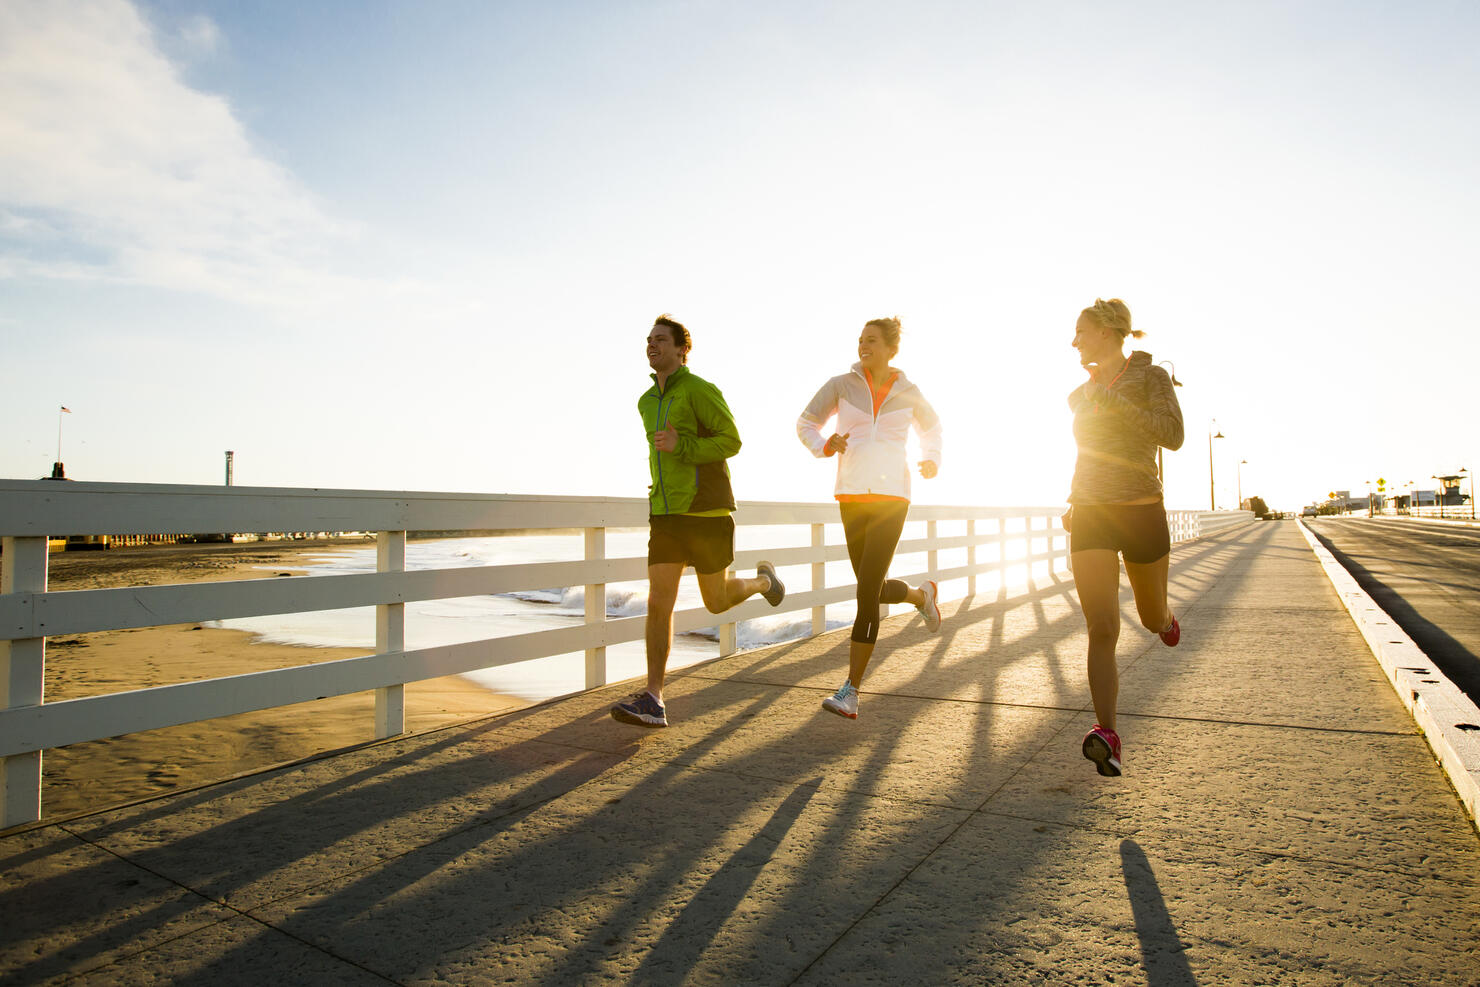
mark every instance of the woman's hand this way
{"type": "Point", "coordinates": [927, 469]}
{"type": "Point", "coordinates": [835, 444]}
{"type": "Point", "coordinates": [1067, 519]}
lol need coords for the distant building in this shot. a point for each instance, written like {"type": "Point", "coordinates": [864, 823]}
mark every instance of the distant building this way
{"type": "Point", "coordinates": [1449, 488]}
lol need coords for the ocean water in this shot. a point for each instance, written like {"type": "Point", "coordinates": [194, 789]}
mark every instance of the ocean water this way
{"type": "Point", "coordinates": [431, 623]}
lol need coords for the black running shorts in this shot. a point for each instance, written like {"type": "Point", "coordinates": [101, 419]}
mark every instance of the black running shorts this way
{"type": "Point", "coordinates": [706, 543]}
{"type": "Point", "coordinates": [1136, 531]}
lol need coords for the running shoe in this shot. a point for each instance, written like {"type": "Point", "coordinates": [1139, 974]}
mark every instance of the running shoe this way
{"type": "Point", "coordinates": [777, 592]}
{"type": "Point", "coordinates": [1102, 746]}
{"type": "Point", "coordinates": [844, 702]}
{"type": "Point", "coordinates": [929, 608]}
{"type": "Point", "coordinates": [1172, 634]}
{"type": "Point", "coordinates": [641, 710]}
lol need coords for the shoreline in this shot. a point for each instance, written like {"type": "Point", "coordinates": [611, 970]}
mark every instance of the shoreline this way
{"type": "Point", "coordinates": [105, 773]}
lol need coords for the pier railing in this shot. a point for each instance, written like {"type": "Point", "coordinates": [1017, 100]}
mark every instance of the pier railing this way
{"type": "Point", "coordinates": [1016, 541]}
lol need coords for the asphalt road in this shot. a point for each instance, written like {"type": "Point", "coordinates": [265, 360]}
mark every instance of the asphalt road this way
{"type": "Point", "coordinates": [1426, 576]}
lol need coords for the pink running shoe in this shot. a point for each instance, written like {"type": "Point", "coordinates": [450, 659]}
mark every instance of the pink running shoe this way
{"type": "Point", "coordinates": [1172, 634]}
{"type": "Point", "coordinates": [1102, 746]}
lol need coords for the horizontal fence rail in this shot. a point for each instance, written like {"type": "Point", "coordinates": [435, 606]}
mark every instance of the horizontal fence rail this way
{"type": "Point", "coordinates": [1020, 539]}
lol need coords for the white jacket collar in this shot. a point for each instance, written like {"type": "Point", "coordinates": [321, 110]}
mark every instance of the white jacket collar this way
{"type": "Point", "coordinates": [858, 369]}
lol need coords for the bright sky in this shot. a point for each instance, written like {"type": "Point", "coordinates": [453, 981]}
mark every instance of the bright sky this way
{"type": "Point", "coordinates": [418, 245]}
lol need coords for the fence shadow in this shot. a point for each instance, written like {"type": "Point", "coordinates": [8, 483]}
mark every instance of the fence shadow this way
{"type": "Point", "coordinates": [505, 865]}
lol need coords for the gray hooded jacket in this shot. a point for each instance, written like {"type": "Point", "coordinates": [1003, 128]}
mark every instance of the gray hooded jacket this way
{"type": "Point", "coordinates": [1118, 430]}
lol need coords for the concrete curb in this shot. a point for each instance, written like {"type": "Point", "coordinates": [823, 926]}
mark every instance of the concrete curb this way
{"type": "Point", "coordinates": [1449, 720]}
{"type": "Point", "coordinates": [1436, 521]}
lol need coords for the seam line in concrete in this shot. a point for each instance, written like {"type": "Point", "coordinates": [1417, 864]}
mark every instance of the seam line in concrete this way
{"type": "Point", "coordinates": [1068, 709]}
{"type": "Point", "coordinates": [983, 809]}
{"type": "Point", "coordinates": [236, 913]}
{"type": "Point", "coordinates": [1348, 863]}
{"type": "Point", "coordinates": [920, 863]}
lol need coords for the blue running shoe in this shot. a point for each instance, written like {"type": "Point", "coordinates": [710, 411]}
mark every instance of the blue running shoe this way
{"type": "Point", "coordinates": [641, 710]}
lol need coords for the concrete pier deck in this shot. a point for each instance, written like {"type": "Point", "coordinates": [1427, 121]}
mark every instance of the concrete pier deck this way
{"type": "Point", "coordinates": [1281, 821]}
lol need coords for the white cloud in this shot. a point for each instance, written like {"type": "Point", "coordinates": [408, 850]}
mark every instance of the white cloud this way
{"type": "Point", "coordinates": [200, 35]}
{"type": "Point", "coordinates": [112, 168]}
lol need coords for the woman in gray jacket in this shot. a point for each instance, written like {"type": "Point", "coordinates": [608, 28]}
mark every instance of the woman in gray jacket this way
{"type": "Point", "coordinates": [876, 407]}
{"type": "Point", "coordinates": [1122, 414]}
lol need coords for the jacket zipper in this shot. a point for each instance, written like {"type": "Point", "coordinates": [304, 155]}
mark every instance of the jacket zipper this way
{"type": "Point", "coordinates": [662, 423]}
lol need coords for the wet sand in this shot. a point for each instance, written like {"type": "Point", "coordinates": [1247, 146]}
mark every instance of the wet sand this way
{"type": "Point", "coordinates": [96, 775]}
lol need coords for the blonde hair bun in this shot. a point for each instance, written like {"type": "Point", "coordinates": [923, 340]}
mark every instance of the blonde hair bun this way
{"type": "Point", "coordinates": [1114, 315]}
{"type": "Point", "coordinates": [888, 328]}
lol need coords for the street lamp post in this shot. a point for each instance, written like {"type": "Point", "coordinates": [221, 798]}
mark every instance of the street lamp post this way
{"type": "Point", "coordinates": [1212, 490]}
{"type": "Point", "coordinates": [1241, 464]}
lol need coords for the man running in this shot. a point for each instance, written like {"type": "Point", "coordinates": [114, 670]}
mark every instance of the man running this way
{"type": "Point", "coordinates": [690, 434]}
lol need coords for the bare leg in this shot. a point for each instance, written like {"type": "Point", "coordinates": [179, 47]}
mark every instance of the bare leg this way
{"type": "Point", "coordinates": [1097, 581]}
{"type": "Point", "coordinates": [662, 592]}
{"type": "Point", "coordinates": [1149, 584]}
{"type": "Point", "coordinates": [859, 653]}
{"type": "Point", "coordinates": [721, 591]}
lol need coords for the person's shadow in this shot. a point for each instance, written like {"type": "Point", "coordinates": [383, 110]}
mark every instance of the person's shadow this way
{"type": "Point", "coordinates": [1163, 953]}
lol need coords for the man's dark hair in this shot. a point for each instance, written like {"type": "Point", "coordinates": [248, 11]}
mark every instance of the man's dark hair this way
{"type": "Point", "coordinates": [681, 337]}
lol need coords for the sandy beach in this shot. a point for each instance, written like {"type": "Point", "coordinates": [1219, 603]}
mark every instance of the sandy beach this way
{"type": "Point", "coordinates": [96, 775]}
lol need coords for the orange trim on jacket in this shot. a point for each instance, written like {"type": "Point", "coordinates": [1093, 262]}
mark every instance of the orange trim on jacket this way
{"type": "Point", "coordinates": [876, 393]}
{"type": "Point", "coordinates": [866, 498]}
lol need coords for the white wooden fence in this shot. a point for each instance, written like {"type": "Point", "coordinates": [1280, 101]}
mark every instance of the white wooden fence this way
{"type": "Point", "coordinates": [1017, 538]}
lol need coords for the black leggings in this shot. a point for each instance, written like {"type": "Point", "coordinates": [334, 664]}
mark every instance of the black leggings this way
{"type": "Point", "coordinates": [873, 529]}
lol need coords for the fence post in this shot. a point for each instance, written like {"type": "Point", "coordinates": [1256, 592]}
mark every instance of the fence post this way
{"type": "Point", "coordinates": [932, 554]}
{"type": "Point", "coordinates": [1002, 555]}
{"type": "Point", "coordinates": [390, 635]}
{"type": "Point", "coordinates": [595, 608]}
{"type": "Point", "coordinates": [819, 576]}
{"type": "Point", "coordinates": [22, 678]}
{"type": "Point", "coordinates": [1030, 525]}
{"type": "Point", "coordinates": [971, 557]}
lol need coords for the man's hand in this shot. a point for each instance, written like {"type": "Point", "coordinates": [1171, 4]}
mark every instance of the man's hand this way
{"type": "Point", "coordinates": [666, 440]}
{"type": "Point", "coordinates": [1067, 519]}
{"type": "Point", "coordinates": [927, 469]}
{"type": "Point", "coordinates": [835, 444]}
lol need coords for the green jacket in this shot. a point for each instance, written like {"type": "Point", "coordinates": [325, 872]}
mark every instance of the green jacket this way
{"type": "Point", "coordinates": [693, 477]}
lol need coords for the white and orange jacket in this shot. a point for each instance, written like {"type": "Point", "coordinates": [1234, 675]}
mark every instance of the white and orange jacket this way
{"type": "Point", "coordinates": [876, 423]}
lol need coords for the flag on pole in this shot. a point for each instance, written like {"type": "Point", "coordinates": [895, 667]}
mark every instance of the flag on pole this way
{"type": "Point", "coordinates": [66, 409]}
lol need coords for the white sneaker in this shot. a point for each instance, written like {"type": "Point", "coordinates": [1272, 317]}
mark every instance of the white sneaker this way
{"type": "Point", "coordinates": [844, 702]}
{"type": "Point", "coordinates": [928, 608]}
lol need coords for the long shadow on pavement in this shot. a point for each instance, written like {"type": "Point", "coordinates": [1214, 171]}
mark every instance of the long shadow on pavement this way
{"type": "Point", "coordinates": [503, 865]}
{"type": "Point", "coordinates": [1163, 954]}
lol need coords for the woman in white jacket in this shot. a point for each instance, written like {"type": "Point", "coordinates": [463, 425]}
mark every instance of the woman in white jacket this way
{"type": "Point", "coordinates": [875, 407]}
